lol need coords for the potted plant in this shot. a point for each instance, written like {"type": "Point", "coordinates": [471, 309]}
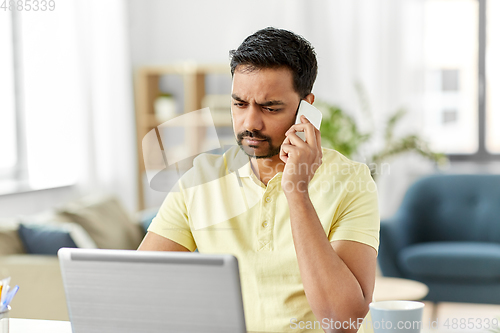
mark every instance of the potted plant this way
{"type": "Point", "coordinates": [340, 131]}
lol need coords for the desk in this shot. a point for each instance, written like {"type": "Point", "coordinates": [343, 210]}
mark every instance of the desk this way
{"type": "Point", "coordinates": [38, 326]}
{"type": "Point", "coordinates": [44, 326]}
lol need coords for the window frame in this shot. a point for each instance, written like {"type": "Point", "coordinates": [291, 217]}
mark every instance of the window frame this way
{"type": "Point", "coordinates": [482, 154]}
{"type": "Point", "coordinates": [22, 154]}
{"type": "Point", "coordinates": [9, 173]}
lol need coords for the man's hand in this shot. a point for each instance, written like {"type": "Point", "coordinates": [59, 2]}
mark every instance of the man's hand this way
{"type": "Point", "coordinates": [302, 159]}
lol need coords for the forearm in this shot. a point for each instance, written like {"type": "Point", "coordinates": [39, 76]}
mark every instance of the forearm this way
{"type": "Point", "coordinates": [331, 288]}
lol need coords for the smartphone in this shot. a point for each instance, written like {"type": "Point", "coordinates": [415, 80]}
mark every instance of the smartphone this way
{"type": "Point", "coordinates": [312, 114]}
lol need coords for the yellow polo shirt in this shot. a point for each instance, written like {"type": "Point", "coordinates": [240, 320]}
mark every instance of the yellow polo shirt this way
{"type": "Point", "coordinates": [220, 206]}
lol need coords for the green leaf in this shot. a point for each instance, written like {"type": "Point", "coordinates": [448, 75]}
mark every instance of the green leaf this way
{"type": "Point", "coordinates": [340, 131]}
{"type": "Point", "coordinates": [392, 122]}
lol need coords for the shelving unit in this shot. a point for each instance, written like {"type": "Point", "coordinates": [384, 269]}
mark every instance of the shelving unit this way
{"type": "Point", "coordinates": [147, 90]}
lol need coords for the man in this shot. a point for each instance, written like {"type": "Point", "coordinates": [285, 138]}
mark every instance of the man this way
{"type": "Point", "coordinates": [307, 236]}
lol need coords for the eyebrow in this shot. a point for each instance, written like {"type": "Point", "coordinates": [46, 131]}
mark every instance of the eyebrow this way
{"type": "Point", "coordinates": [268, 103]}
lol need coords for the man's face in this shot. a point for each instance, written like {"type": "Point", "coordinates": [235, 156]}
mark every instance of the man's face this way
{"type": "Point", "coordinates": [263, 108]}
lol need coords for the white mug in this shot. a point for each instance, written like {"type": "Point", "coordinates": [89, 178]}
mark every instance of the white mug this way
{"type": "Point", "coordinates": [396, 316]}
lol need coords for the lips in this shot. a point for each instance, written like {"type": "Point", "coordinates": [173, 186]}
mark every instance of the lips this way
{"type": "Point", "coordinates": [253, 140]}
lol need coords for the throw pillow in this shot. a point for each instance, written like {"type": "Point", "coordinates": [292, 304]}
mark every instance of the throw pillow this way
{"type": "Point", "coordinates": [10, 243]}
{"type": "Point", "coordinates": [49, 218]}
{"type": "Point", "coordinates": [106, 221]}
{"type": "Point", "coordinates": [40, 239]}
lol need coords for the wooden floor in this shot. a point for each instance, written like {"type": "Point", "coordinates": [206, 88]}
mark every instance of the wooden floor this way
{"type": "Point", "coordinates": [461, 318]}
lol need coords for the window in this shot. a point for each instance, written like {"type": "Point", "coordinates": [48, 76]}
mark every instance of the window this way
{"type": "Point", "coordinates": [39, 129]}
{"type": "Point", "coordinates": [493, 76]}
{"type": "Point", "coordinates": [461, 117]}
{"type": "Point", "coordinates": [8, 143]}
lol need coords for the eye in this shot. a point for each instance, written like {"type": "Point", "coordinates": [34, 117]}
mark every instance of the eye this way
{"type": "Point", "coordinates": [272, 110]}
{"type": "Point", "coordinates": [240, 105]}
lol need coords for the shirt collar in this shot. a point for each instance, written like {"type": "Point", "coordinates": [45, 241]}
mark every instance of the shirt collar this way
{"type": "Point", "coordinates": [237, 160]}
{"type": "Point", "coordinates": [241, 163]}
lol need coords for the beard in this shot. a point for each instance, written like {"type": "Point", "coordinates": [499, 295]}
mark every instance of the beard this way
{"type": "Point", "coordinates": [269, 152]}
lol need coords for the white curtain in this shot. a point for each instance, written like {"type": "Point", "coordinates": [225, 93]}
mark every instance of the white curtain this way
{"type": "Point", "coordinates": [109, 141]}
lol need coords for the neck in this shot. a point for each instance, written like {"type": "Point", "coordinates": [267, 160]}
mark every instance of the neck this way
{"type": "Point", "coordinates": [267, 168]}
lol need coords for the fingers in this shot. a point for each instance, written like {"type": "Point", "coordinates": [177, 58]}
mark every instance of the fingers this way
{"type": "Point", "coordinates": [309, 129]}
{"type": "Point", "coordinates": [284, 152]}
{"type": "Point", "coordinates": [296, 140]}
{"type": "Point", "coordinates": [311, 133]}
{"type": "Point", "coordinates": [316, 132]}
{"type": "Point", "coordinates": [288, 150]}
{"type": "Point", "coordinates": [293, 143]}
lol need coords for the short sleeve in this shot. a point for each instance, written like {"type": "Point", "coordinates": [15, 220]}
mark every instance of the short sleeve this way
{"type": "Point", "coordinates": [172, 221]}
{"type": "Point", "coordinates": [358, 216]}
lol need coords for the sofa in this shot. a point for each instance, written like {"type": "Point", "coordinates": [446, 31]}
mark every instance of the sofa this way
{"type": "Point", "coordinates": [446, 234]}
{"type": "Point", "coordinates": [28, 247]}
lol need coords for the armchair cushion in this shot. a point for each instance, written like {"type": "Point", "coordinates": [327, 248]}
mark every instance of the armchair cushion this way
{"type": "Point", "coordinates": [452, 261]}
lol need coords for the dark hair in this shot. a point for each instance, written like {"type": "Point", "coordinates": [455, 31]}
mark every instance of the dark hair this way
{"type": "Point", "coordinates": [273, 48]}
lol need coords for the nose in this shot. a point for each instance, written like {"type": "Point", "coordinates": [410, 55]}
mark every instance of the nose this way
{"type": "Point", "coordinates": [253, 119]}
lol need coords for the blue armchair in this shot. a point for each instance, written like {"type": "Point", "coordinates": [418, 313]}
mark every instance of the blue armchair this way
{"type": "Point", "coordinates": [446, 234]}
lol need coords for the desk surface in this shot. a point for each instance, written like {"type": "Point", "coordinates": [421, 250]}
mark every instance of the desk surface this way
{"type": "Point", "coordinates": [17, 325]}
{"type": "Point", "coordinates": [38, 326]}
{"type": "Point", "coordinates": [55, 326]}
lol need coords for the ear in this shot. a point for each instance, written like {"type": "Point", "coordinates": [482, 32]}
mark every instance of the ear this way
{"type": "Point", "coordinates": [309, 98]}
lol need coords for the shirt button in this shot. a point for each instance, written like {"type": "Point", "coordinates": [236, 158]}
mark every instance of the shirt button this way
{"type": "Point", "coordinates": [268, 199]}
{"type": "Point", "coordinates": [265, 224]}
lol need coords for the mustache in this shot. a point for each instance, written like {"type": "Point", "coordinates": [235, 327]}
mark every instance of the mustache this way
{"type": "Point", "coordinates": [255, 134]}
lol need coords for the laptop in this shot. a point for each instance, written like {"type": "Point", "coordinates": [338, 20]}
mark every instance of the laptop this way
{"type": "Point", "coordinates": [129, 291]}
